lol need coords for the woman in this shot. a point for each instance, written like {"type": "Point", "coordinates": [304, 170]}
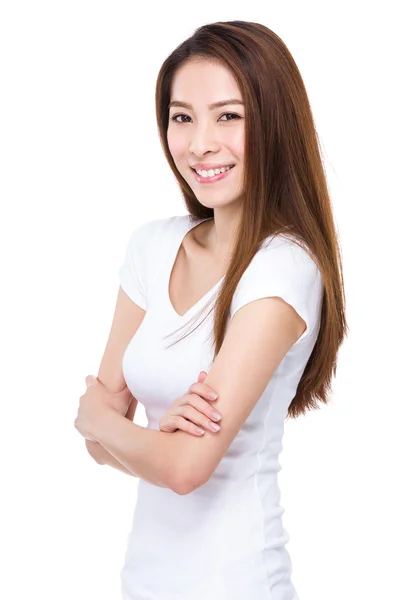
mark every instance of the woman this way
{"type": "Point", "coordinates": [259, 248]}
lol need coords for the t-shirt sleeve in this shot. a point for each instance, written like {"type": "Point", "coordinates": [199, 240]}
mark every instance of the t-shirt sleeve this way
{"type": "Point", "coordinates": [282, 268]}
{"type": "Point", "coordinates": [133, 271]}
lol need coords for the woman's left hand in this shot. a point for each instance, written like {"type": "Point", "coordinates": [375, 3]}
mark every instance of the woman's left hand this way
{"type": "Point", "coordinates": [95, 403]}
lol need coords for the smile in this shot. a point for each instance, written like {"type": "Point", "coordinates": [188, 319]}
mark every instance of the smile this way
{"type": "Point", "coordinates": [212, 175]}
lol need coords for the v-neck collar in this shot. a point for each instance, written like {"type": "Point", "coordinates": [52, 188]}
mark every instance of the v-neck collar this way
{"type": "Point", "coordinates": [174, 256]}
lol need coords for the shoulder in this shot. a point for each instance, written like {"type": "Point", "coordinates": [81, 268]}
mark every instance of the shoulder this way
{"type": "Point", "coordinates": [285, 244]}
{"type": "Point", "coordinates": [151, 232]}
{"type": "Point", "coordinates": [283, 267]}
{"type": "Point", "coordinates": [285, 256]}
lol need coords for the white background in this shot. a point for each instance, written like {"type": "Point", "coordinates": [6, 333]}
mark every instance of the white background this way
{"type": "Point", "coordinates": [81, 166]}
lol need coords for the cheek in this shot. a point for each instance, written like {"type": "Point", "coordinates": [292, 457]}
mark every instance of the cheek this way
{"type": "Point", "coordinates": [176, 144]}
{"type": "Point", "coordinates": [237, 143]}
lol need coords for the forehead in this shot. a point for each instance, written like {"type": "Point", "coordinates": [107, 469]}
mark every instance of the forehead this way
{"type": "Point", "coordinates": [204, 81]}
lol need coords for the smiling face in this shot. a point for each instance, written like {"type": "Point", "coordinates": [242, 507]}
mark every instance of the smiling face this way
{"type": "Point", "coordinates": [207, 137]}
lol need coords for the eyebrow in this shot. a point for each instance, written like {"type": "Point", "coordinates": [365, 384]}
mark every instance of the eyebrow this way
{"type": "Point", "coordinates": [211, 106]}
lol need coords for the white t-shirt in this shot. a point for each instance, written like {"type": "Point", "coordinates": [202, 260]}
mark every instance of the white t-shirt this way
{"type": "Point", "coordinates": [225, 540]}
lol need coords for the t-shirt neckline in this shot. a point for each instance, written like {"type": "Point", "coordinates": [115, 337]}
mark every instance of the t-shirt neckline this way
{"type": "Point", "coordinates": [174, 256]}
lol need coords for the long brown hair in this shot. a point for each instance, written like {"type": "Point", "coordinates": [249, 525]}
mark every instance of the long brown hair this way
{"type": "Point", "coordinates": [285, 185]}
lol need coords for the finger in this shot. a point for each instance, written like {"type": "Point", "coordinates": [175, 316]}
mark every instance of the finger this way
{"type": "Point", "coordinates": [204, 390]}
{"type": "Point", "coordinates": [202, 376]}
{"type": "Point", "coordinates": [178, 422]}
{"type": "Point", "coordinates": [90, 380]}
{"type": "Point", "coordinates": [198, 418]}
{"type": "Point", "coordinates": [200, 404]}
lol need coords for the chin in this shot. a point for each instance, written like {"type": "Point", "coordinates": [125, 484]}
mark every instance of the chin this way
{"type": "Point", "coordinates": [212, 202]}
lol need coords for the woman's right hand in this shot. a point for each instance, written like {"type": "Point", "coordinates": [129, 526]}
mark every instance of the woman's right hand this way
{"type": "Point", "coordinates": [192, 411]}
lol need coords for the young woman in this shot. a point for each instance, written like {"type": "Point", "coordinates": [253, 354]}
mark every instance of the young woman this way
{"type": "Point", "coordinates": [257, 257]}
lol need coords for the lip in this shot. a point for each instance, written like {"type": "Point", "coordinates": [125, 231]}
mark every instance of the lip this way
{"type": "Point", "coordinates": [207, 167]}
{"type": "Point", "coordinates": [213, 179]}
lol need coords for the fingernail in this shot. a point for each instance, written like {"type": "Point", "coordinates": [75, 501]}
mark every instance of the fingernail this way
{"type": "Point", "coordinates": [213, 395]}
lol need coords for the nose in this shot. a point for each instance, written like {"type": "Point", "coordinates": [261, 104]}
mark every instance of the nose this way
{"type": "Point", "coordinates": [203, 140]}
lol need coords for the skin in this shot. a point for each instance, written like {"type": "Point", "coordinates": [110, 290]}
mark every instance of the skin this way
{"type": "Point", "coordinates": [201, 135]}
{"type": "Point", "coordinates": [198, 135]}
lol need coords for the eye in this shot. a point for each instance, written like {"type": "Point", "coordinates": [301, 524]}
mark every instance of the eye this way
{"type": "Point", "coordinates": [182, 116]}
{"type": "Point", "coordinates": [230, 115]}
{"type": "Point", "coordinates": [175, 118]}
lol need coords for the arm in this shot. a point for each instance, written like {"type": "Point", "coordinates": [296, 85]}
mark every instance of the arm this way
{"type": "Point", "coordinates": [148, 454]}
{"type": "Point", "coordinates": [126, 321]}
{"type": "Point", "coordinates": [179, 461]}
{"type": "Point", "coordinates": [102, 456]}
{"type": "Point", "coordinates": [269, 326]}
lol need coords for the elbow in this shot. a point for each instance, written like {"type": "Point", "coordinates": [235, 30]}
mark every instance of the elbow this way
{"type": "Point", "coordinates": [184, 487]}
{"type": "Point", "coordinates": [184, 474]}
{"type": "Point", "coordinates": [187, 484]}
{"type": "Point", "coordinates": [179, 485]}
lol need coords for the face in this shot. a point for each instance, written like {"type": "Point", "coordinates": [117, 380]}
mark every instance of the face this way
{"type": "Point", "coordinates": [205, 139]}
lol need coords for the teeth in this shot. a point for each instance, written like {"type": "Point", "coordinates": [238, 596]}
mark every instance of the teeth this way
{"type": "Point", "coordinates": [212, 172]}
